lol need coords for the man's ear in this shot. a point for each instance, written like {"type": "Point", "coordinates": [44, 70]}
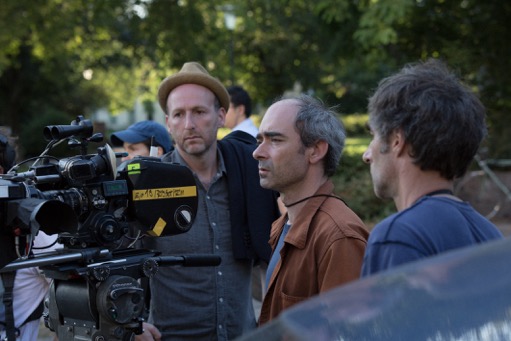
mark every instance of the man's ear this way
{"type": "Point", "coordinates": [221, 117]}
{"type": "Point", "coordinates": [318, 152]}
{"type": "Point", "coordinates": [397, 142]}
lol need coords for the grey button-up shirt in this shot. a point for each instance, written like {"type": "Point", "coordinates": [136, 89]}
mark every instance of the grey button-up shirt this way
{"type": "Point", "coordinates": [202, 303]}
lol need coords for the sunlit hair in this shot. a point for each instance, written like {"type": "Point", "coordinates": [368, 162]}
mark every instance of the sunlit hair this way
{"type": "Point", "coordinates": [442, 120]}
{"type": "Point", "coordinates": [315, 122]}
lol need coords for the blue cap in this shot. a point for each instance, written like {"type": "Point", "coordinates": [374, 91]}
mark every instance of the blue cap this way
{"type": "Point", "coordinates": [143, 131]}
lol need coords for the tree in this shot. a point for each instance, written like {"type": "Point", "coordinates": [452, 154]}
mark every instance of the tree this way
{"type": "Point", "coordinates": [467, 34]}
{"type": "Point", "coordinates": [72, 57]}
{"type": "Point", "coordinates": [64, 57]}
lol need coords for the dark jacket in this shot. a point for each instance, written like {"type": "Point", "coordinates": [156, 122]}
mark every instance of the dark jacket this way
{"type": "Point", "coordinates": [253, 208]}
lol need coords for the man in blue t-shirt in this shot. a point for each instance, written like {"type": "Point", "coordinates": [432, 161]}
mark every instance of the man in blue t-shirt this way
{"type": "Point", "coordinates": [426, 126]}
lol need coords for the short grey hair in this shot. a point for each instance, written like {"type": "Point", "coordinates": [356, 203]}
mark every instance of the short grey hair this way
{"type": "Point", "coordinates": [317, 122]}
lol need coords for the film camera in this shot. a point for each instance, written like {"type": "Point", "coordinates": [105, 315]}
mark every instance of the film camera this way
{"type": "Point", "coordinates": [96, 209]}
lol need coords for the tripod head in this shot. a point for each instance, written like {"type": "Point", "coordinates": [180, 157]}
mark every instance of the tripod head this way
{"type": "Point", "coordinates": [96, 295]}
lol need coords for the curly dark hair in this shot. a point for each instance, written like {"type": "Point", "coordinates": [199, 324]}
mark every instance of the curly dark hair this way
{"type": "Point", "coordinates": [442, 119]}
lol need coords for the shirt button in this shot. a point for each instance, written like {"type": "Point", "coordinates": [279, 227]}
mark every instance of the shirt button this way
{"type": "Point", "coordinates": [220, 326]}
{"type": "Point", "coordinates": [217, 247]}
{"type": "Point", "coordinates": [221, 300]}
{"type": "Point", "coordinates": [208, 197]}
{"type": "Point", "coordinates": [219, 273]}
{"type": "Point", "coordinates": [213, 223]}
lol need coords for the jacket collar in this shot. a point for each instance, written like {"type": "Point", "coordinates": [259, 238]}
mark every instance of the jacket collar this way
{"type": "Point", "coordinates": [297, 235]}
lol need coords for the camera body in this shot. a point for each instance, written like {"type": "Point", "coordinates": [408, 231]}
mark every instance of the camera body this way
{"type": "Point", "coordinates": [95, 208]}
{"type": "Point", "coordinates": [91, 203]}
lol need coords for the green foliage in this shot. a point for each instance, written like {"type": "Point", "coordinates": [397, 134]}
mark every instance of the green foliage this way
{"type": "Point", "coordinates": [377, 24]}
{"type": "Point", "coordinates": [33, 138]}
{"type": "Point", "coordinates": [355, 124]}
{"type": "Point", "coordinates": [69, 57]}
{"type": "Point", "coordinates": [339, 13]}
{"type": "Point", "coordinates": [72, 57]}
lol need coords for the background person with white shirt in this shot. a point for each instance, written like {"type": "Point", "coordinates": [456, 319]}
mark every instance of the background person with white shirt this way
{"type": "Point", "coordinates": [240, 108]}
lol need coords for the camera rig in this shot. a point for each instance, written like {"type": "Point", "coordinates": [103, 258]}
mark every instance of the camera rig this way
{"type": "Point", "coordinates": [96, 209]}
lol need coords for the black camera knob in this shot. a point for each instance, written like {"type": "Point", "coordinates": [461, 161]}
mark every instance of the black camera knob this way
{"type": "Point", "coordinates": [150, 267]}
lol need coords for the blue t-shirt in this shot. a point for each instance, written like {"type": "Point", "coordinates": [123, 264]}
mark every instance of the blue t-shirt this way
{"type": "Point", "coordinates": [430, 226]}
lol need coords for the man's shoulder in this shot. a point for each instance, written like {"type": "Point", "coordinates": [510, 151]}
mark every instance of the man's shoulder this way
{"type": "Point", "coordinates": [404, 224]}
{"type": "Point", "coordinates": [237, 144]}
{"type": "Point", "coordinates": [343, 220]}
{"type": "Point", "coordinates": [169, 156]}
{"type": "Point", "coordinates": [338, 209]}
{"type": "Point", "coordinates": [238, 137]}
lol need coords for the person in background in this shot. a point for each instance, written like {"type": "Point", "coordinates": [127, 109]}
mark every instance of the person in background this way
{"type": "Point", "coordinates": [30, 286]}
{"type": "Point", "coordinates": [426, 126]}
{"type": "Point", "coordinates": [233, 220]}
{"type": "Point", "coordinates": [240, 109]}
{"type": "Point", "coordinates": [138, 139]}
{"type": "Point", "coordinates": [319, 243]}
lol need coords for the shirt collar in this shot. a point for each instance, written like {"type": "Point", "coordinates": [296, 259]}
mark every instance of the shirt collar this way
{"type": "Point", "coordinates": [175, 157]}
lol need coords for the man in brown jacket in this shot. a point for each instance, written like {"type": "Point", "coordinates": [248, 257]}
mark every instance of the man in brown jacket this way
{"type": "Point", "coordinates": [319, 244]}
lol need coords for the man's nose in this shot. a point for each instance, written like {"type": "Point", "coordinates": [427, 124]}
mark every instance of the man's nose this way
{"type": "Point", "coordinates": [366, 157]}
{"type": "Point", "coordinates": [189, 121]}
{"type": "Point", "coordinates": [257, 153]}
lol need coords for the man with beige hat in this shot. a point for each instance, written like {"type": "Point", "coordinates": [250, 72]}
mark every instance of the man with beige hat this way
{"type": "Point", "coordinates": [233, 219]}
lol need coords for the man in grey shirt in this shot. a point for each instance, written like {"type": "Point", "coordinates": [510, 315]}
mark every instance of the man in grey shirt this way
{"type": "Point", "coordinates": [233, 219]}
